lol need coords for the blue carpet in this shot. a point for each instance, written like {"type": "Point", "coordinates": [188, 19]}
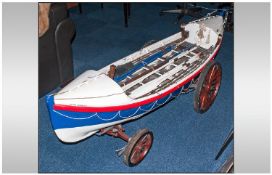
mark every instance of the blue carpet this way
{"type": "Point", "coordinates": [184, 141]}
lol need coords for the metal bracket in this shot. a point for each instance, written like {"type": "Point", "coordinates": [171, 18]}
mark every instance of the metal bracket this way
{"type": "Point", "coordinates": [115, 131]}
{"type": "Point", "coordinates": [120, 151]}
{"type": "Point", "coordinates": [104, 131]}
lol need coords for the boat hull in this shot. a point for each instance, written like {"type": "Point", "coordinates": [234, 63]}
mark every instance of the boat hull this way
{"type": "Point", "coordinates": [75, 124]}
{"type": "Point", "coordinates": [71, 126]}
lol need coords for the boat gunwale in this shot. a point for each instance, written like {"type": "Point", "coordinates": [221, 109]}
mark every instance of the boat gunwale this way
{"type": "Point", "coordinates": [140, 101]}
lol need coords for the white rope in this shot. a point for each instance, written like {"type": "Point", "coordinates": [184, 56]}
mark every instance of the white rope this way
{"type": "Point", "coordinates": [119, 112]}
{"type": "Point", "coordinates": [130, 115]}
{"type": "Point", "coordinates": [209, 14]}
{"type": "Point", "coordinates": [79, 118]}
{"type": "Point", "coordinates": [170, 95]}
{"type": "Point", "coordinates": [108, 119]}
{"type": "Point", "coordinates": [149, 108]}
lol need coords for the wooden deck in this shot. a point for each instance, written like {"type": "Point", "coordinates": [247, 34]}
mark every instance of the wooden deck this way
{"type": "Point", "coordinates": [184, 58]}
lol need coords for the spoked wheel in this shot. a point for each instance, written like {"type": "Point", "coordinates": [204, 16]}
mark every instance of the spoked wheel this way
{"type": "Point", "coordinates": [208, 86]}
{"type": "Point", "coordinates": [138, 147]}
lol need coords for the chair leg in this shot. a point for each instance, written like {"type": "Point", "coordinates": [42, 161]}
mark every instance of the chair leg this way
{"type": "Point", "coordinates": [125, 5]}
{"type": "Point", "coordinates": [80, 8]}
{"type": "Point", "coordinates": [128, 9]}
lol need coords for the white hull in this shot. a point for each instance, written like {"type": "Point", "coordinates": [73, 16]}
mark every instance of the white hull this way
{"type": "Point", "coordinates": [71, 135]}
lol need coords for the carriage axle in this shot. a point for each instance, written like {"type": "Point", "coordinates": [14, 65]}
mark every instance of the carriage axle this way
{"type": "Point", "coordinates": [116, 131]}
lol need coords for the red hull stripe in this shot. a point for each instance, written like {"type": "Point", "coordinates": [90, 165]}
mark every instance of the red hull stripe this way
{"type": "Point", "coordinates": [128, 106]}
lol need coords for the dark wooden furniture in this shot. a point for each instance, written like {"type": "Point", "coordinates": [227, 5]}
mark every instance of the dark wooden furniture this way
{"type": "Point", "coordinates": [73, 5]}
{"type": "Point", "coordinates": [55, 51]}
{"type": "Point", "coordinates": [126, 8]}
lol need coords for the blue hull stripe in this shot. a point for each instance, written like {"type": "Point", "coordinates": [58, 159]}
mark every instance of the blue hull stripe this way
{"type": "Point", "coordinates": [68, 119]}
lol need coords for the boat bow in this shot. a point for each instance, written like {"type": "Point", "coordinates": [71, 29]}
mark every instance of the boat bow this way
{"type": "Point", "coordinates": [91, 89]}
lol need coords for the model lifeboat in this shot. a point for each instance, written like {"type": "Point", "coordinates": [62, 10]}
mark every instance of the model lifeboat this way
{"type": "Point", "coordinates": [141, 82]}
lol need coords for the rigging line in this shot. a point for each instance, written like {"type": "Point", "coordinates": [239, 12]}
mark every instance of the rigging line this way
{"type": "Point", "coordinates": [129, 115]}
{"type": "Point", "coordinates": [145, 110]}
{"type": "Point", "coordinates": [170, 95]}
{"type": "Point", "coordinates": [108, 119]}
{"type": "Point", "coordinates": [209, 14]}
{"type": "Point", "coordinates": [80, 118]}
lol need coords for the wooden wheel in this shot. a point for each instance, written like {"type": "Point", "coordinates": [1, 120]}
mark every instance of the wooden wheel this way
{"type": "Point", "coordinates": [208, 87]}
{"type": "Point", "coordinates": [138, 147]}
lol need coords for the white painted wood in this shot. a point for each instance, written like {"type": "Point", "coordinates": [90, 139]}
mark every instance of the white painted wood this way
{"type": "Point", "coordinates": [96, 89]}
